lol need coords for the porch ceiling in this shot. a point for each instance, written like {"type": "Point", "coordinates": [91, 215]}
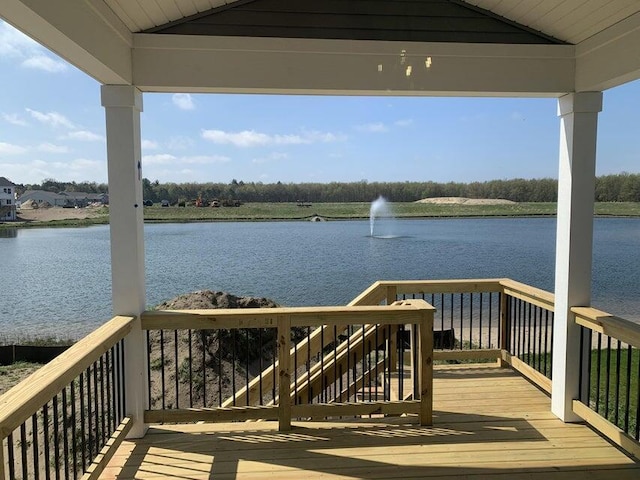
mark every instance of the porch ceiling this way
{"type": "Point", "coordinates": [454, 47]}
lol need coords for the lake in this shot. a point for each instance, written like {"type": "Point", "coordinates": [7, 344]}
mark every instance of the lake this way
{"type": "Point", "coordinates": [57, 282]}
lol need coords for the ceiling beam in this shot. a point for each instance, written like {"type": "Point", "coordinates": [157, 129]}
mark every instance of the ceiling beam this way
{"type": "Point", "coordinates": [169, 63]}
{"type": "Point", "coordinates": [85, 33]}
{"type": "Point", "coordinates": [609, 58]}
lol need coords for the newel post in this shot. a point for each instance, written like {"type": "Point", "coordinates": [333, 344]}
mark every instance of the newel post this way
{"type": "Point", "coordinates": [574, 241]}
{"type": "Point", "coordinates": [425, 372]}
{"type": "Point", "coordinates": [284, 373]}
{"type": "Point", "coordinates": [123, 105]}
{"type": "Point", "coordinates": [392, 293]}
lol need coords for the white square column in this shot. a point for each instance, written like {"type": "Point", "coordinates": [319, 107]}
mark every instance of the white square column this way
{"type": "Point", "coordinates": [123, 105]}
{"type": "Point", "coordinates": [574, 241]}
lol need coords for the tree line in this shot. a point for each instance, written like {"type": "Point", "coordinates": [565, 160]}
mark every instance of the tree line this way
{"type": "Point", "coordinates": [624, 187]}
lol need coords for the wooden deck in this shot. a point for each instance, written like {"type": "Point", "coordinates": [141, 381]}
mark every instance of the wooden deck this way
{"type": "Point", "coordinates": [489, 423]}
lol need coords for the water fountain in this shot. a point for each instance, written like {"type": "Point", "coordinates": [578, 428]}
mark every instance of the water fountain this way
{"type": "Point", "coordinates": [381, 210]}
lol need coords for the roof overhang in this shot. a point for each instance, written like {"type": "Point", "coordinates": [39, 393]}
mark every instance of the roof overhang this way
{"type": "Point", "coordinates": [88, 34]}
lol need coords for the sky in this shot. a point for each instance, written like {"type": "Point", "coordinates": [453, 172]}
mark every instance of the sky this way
{"type": "Point", "coordinates": [52, 126]}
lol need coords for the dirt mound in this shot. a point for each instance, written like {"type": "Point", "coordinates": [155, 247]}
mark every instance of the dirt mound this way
{"type": "Point", "coordinates": [465, 201]}
{"type": "Point", "coordinates": [205, 299]}
{"type": "Point", "coordinates": [202, 368]}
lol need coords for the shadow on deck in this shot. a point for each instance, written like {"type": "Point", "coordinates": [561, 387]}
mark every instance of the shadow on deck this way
{"type": "Point", "coordinates": [489, 423]}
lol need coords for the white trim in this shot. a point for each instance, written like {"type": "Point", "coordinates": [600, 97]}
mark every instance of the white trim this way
{"type": "Point", "coordinates": [85, 36]}
{"type": "Point", "coordinates": [123, 105]}
{"type": "Point", "coordinates": [574, 241]}
{"type": "Point", "coordinates": [169, 63]}
{"type": "Point", "coordinates": [609, 58]}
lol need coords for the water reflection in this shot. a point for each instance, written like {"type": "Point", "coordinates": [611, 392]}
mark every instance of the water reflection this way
{"type": "Point", "coordinates": [8, 232]}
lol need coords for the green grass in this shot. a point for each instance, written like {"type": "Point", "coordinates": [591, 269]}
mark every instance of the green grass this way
{"type": "Point", "coordinates": [336, 211]}
{"type": "Point", "coordinates": [602, 395]}
{"type": "Point", "coordinates": [32, 340]}
{"type": "Point", "coordinates": [619, 382]}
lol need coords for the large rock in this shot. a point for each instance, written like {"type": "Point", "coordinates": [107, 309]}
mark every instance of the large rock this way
{"type": "Point", "coordinates": [205, 299]}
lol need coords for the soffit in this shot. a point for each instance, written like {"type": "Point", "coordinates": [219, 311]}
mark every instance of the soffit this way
{"type": "Point", "coordinates": [447, 21]}
{"type": "Point", "coordinates": [571, 21]}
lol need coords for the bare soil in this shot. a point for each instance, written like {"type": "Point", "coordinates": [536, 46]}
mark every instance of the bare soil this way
{"type": "Point", "coordinates": [11, 375]}
{"type": "Point", "coordinates": [58, 213]}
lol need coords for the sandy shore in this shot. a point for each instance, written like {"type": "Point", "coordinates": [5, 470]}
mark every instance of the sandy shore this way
{"type": "Point", "coordinates": [58, 213]}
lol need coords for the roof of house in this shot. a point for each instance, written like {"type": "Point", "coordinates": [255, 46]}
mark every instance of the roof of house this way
{"type": "Point", "coordinates": [329, 47]}
{"type": "Point", "coordinates": [42, 193]}
{"type": "Point", "coordinates": [4, 182]}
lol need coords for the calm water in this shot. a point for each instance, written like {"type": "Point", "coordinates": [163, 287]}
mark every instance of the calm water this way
{"type": "Point", "coordinates": [57, 281]}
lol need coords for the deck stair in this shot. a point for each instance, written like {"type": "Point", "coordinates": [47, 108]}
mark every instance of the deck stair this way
{"type": "Point", "coordinates": [328, 372]}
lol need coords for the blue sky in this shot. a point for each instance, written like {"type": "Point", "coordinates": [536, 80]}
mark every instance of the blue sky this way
{"type": "Point", "coordinates": [52, 126]}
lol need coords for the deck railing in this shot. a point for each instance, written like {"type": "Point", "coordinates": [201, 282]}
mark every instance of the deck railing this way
{"type": "Point", "coordinates": [528, 331]}
{"type": "Point", "coordinates": [326, 383]}
{"type": "Point", "coordinates": [610, 376]}
{"type": "Point", "coordinates": [373, 356]}
{"type": "Point", "coordinates": [65, 420]}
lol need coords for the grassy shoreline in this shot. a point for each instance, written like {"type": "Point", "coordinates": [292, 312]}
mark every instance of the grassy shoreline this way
{"type": "Point", "coordinates": [334, 211]}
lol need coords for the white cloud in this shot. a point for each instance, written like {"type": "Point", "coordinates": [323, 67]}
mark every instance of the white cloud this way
{"type": "Point", "coordinates": [378, 127]}
{"type": "Point", "coordinates": [184, 101]}
{"type": "Point", "coordinates": [34, 171]}
{"type": "Point", "coordinates": [273, 157]}
{"type": "Point", "coordinates": [51, 148]}
{"type": "Point", "coordinates": [14, 119]}
{"type": "Point", "coordinates": [53, 119]}
{"type": "Point", "coordinates": [179, 143]}
{"type": "Point", "coordinates": [84, 136]}
{"type": "Point", "coordinates": [10, 149]}
{"type": "Point", "coordinates": [168, 159]}
{"type": "Point", "coordinates": [84, 164]}
{"type": "Point", "coordinates": [42, 62]}
{"type": "Point", "coordinates": [251, 138]}
{"type": "Point", "coordinates": [149, 145]}
{"type": "Point", "coordinates": [403, 123]}
{"type": "Point", "coordinates": [16, 45]}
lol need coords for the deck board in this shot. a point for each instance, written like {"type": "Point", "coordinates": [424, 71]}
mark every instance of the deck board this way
{"type": "Point", "coordinates": [488, 423]}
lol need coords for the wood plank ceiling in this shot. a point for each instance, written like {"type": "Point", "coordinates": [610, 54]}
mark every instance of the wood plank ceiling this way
{"type": "Point", "coordinates": [415, 21]}
{"type": "Point", "coordinates": [571, 21]}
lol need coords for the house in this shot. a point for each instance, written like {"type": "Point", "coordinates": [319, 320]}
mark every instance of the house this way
{"type": "Point", "coordinates": [42, 198]}
{"type": "Point", "coordinates": [7, 200]}
{"type": "Point", "coordinates": [62, 199]}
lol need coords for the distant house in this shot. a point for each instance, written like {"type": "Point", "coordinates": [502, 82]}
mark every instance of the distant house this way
{"type": "Point", "coordinates": [7, 200]}
{"type": "Point", "coordinates": [42, 198]}
{"type": "Point", "coordinates": [62, 199]}
{"type": "Point", "coordinates": [82, 199]}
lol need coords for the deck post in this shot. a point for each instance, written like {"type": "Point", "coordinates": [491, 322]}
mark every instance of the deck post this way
{"type": "Point", "coordinates": [425, 373]}
{"type": "Point", "coordinates": [3, 474]}
{"type": "Point", "coordinates": [392, 292]}
{"type": "Point", "coordinates": [574, 241]}
{"type": "Point", "coordinates": [284, 368]}
{"type": "Point", "coordinates": [123, 105]}
{"type": "Point", "coordinates": [504, 327]}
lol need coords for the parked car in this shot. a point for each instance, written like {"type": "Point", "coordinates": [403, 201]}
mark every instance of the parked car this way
{"type": "Point", "coordinates": [164, 203]}
{"type": "Point", "coordinates": [148, 203]}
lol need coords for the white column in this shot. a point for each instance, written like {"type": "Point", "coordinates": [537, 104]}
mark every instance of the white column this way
{"type": "Point", "coordinates": [123, 105]}
{"type": "Point", "coordinates": [576, 182]}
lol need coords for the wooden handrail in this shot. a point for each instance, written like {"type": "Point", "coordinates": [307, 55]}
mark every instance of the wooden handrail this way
{"type": "Point", "coordinates": [477, 285]}
{"type": "Point", "coordinates": [216, 319]}
{"type": "Point", "coordinates": [607, 324]}
{"type": "Point", "coordinates": [21, 401]}
{"type": "Point", "coordinates": [530, 294]}
{"type": "Point", "coordinates": [416, 312]}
